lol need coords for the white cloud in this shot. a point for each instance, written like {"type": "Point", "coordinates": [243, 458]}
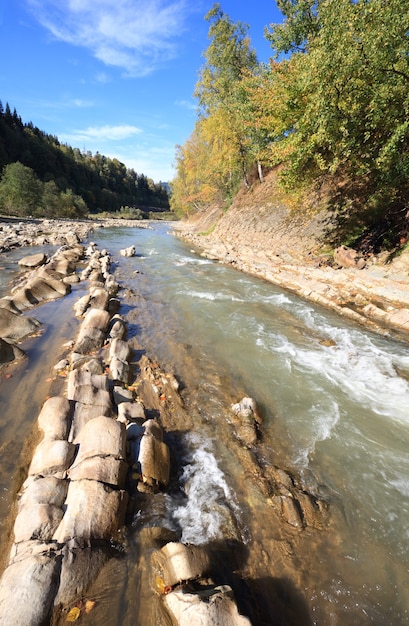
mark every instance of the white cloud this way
{"type": "Point", "coordinates": [134, 35]}
{"type": "Point", "coordinates": [102, 133]}
{"type": "Point", "coordinates": [81, 104]}
{"type": "Point", "coordinates": [186, 104]}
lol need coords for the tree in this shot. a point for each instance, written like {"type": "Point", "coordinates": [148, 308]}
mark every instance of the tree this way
{"type": "Point", "coordinates": [228, 58]}
{"type": "Point", "coordinates": [20, 190]}
{"type": "Point", "coordinates": [349, 98]}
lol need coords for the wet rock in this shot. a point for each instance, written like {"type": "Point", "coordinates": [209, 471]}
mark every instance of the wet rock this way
{"type": "Point", "coordinates": [119, 349]}
{"type": "Point", "coordinates": [36, 521]}
{"type": "Point", "coordinates": [93, 511]}
{"type": "Point", "coordinates": [9, 352]}
{"type": "Point", "coordinates": [27, 590]}
{"type": "Point", "coordinates": [154, 460]}
{"type": "Point", "coordinates": [114, 305]}
{"type": "Point", "coordinates": [80, 567]}
{"type": "Point", "coordinates": [81, 305]}
{"type": "Point", "coordinates": [130, 251]}
{"type": "Point", "coordinates": [117, 328]}
{"type": "Point", "coordinates": [108, 470]}
{"type": "Point", "coordinates": [291, 511]}
{"type": "Point", "coordinates": [131, 412]}
{"type": "Point", "coordinates": [101, 436]}
{"type": "Point", "coordinates": [55, 418]}
{"type": "Point", "coordinates": [119, 370]}
{"type": "Point", "coordinates": [44, 490]}
{"type": "Point", "coordinates": [206, 608]}
{"type": "Point", "coordinates": [14, 326]}
{"type": "Point", "coordinates": [34, 260]}
{"type": "Point", "coordinates": [52, 457]}
{"type": "Point", "coordinates": [177, 562]}
{"type": "Point", "coordinates": [245, 419]}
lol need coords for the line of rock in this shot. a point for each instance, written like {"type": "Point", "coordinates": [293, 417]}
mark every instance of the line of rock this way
{"type": "Point", "coordinates": [97, 447]}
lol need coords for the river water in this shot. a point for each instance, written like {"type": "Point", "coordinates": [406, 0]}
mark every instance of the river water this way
{"type": "Point", "coordinates": [334, 400]}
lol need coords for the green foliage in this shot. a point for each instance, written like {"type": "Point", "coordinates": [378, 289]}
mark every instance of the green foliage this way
{"type": "Point", "coordinates": [23, 194]}
{"type": "Point", "coordinates": [102, 183]}
{"type": "Point", "coordinates": [217, 155]}
{"type": "Point", "coordinates": [20, 190]}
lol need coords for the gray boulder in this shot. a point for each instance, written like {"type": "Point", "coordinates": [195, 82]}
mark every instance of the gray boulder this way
{"type": "Point", "coordinates": [34, 260]}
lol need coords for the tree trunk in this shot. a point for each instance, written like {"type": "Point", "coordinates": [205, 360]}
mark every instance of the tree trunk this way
{"type": "Point", "coordinates": [260, 172]}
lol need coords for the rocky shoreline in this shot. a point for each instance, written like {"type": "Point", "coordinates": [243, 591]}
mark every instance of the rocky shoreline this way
{"type": "Point", "coordinates": [376, 296]}
{"type": "Point", "coordinates": [16, 233]}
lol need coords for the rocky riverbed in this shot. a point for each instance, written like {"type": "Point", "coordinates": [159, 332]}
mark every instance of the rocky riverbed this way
{"type": "Point", "coordinates": [106, 442]}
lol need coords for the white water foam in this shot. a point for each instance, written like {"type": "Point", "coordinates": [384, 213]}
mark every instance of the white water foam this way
{"type": "Point", "coordinates": [210, 512]}
{"type": "Point", "coordinates": [214, 297]}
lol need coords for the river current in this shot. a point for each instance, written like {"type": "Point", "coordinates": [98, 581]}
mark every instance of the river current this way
{"type": "Point", "coordinates": [334, 400]}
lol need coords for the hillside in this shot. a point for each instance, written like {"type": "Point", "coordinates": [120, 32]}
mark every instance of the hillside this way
{"type": "Point", "coordinates": [261, 234]}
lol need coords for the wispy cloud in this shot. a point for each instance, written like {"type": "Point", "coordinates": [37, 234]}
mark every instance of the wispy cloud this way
{"type": "Point", "coordinates": [102, 133]}
{"type": "Point", "coordinates": [81, 104]}
{"type": "Point", "coordinates": [186, 104]}
{"type": "Point", "coordinates": [134, 35]}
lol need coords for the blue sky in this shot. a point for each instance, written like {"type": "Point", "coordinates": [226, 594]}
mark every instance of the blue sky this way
{"type": "Point", "coordinates": [114, 76]}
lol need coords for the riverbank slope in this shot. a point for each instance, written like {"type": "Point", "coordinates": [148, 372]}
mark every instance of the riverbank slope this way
{"type": "Point", "coordinates": [262, 235]}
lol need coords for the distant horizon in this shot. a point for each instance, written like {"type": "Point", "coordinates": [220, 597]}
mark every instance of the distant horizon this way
{"type": "Point", "coordinates": [111, 79]}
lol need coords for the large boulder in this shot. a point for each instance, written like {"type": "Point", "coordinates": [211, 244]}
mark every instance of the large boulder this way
{"type": "Point", "coordinates": [34, 260]}
{"type": "Point", "coordinates": [36, 521]}
{"type": "Point", "coordinates": [93, 511]}
{"type": "Point", "coordinates": [101, 436]}
{"type": "Point", "coordinates": [52, 457]}
{"type": "Point", "coordinates": [14, 326]}
{"type": "Point", "coordinates": [210, 607]}
{"type": "Point", "coordinates": [44, 490]}
{"type": "Point", "coordinates": [55, 418]}
{"type": "Point", "coordinates": [9, 352]}
{"type": "Point", "coordinates": [28, 587]}
{"type": "Point", "coordinates": [348, 257]}
{"type": "Point", "coordinates": [177, 562]}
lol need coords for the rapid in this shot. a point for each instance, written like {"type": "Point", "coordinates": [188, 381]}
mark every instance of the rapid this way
{"type": "Point", "coordinates": [334, 402]}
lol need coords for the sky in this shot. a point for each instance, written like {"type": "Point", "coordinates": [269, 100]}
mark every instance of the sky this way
{"type": "Point", "coordinates": [115, 76]}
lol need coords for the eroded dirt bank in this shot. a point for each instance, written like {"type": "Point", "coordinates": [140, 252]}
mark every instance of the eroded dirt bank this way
{"type": "Point", "coordinates": [259, 235]}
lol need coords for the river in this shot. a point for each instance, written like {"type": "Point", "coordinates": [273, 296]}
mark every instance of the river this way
{"type": "Point", "coordinates": [334, 399]}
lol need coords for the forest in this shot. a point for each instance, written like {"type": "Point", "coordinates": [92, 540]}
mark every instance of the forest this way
{"type": "Point", "coordinates": [42, 177]}
{"type": "Point", "coordinates": [329, 113]}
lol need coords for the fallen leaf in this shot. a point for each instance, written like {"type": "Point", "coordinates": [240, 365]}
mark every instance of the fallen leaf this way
{"type": "Point", "coordinates": [74, 614]}
{"type": "Point", "coordinates": [89, 605]}
{"type": "Point", "coordinates": [159, 585]}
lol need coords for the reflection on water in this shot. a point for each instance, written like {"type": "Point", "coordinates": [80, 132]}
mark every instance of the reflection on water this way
{"type": "Point", "coordinates": [334, 400]}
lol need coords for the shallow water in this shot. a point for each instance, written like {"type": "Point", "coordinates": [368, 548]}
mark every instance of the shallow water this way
{"type": "Point", "coordinates": [334, 400]}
